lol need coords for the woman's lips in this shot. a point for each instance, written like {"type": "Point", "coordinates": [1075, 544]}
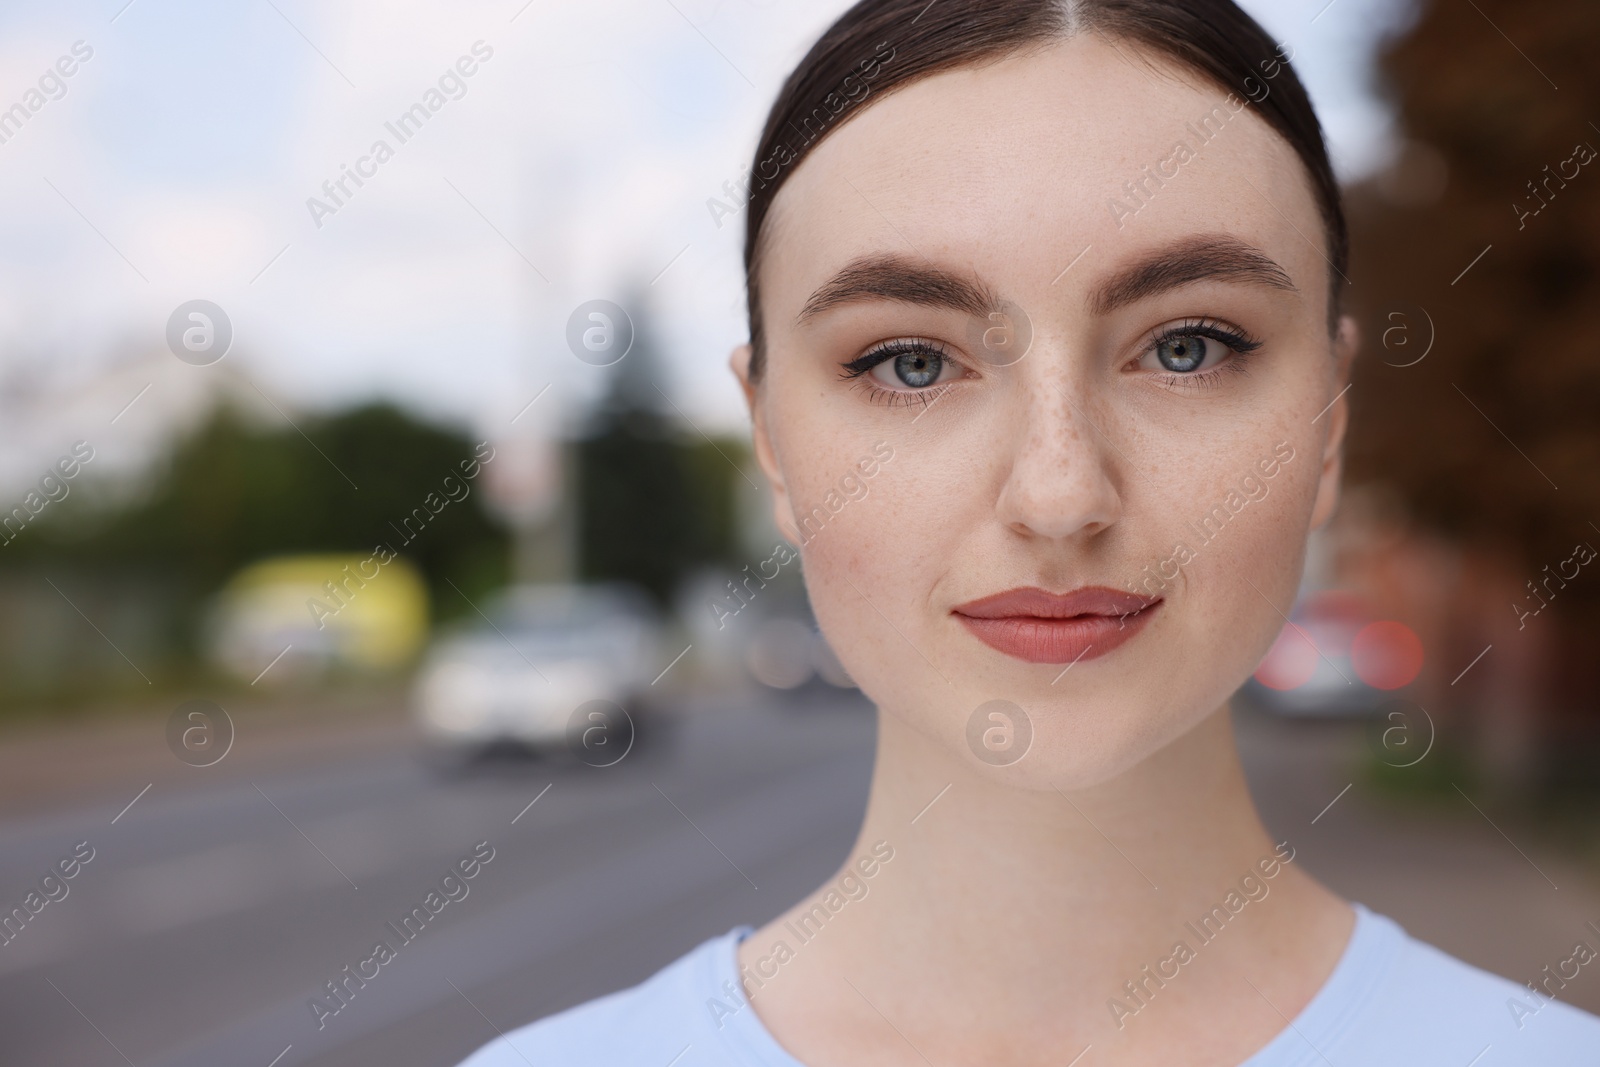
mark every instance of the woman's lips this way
{"type": "Point", "coordinates": [1043, 627]}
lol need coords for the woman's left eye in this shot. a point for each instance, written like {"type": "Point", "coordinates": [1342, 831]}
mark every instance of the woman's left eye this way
{"type": "Point", "coordinates": [1184, 353]}
{"type": "Point", "coordinates": [1195, 347]}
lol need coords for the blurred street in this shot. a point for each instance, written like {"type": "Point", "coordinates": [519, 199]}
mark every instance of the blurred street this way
{"type": "Point", "coordinates": [217, 905]}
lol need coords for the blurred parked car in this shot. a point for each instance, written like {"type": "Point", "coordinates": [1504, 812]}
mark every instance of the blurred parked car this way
{"type": "Point", "coordinates": [290, 616]}
{"type": "Point", "coordinates": [745, 628]}
{"type": "Point", "coordinates": [1334, 658]}
{"type": "Point", "coordinates": [541, 668]}
{"type": "Point", "coordinates": [788, 651]}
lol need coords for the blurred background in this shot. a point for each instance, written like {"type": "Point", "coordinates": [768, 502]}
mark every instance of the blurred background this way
{"type": "Point", "coordinates": [361, 506]}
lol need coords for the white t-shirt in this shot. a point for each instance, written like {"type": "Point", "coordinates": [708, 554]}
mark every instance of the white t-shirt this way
{"type": "Point", "coordinates": [1391, 1001]}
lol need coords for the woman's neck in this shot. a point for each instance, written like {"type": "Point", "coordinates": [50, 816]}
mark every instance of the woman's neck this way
{"type": "Point", "coordinates": [1038, 910]}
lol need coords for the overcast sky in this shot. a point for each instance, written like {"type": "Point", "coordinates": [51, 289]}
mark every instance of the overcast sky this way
{"type": "Point", "coordinates": [179, 160]}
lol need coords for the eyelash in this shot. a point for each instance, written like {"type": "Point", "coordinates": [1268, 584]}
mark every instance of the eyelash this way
{"type": "Point", "coordinates": [1240, 343]}
{"type": "Point", "coordinates": [856, 370]}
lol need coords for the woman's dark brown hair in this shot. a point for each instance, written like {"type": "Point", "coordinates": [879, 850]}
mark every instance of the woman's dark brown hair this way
{"type": "Point", "coordinates": [881, 45]}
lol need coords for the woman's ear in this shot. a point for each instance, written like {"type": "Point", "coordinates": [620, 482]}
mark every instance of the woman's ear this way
{"type": "Point", "coordinates": [1346, 344]}
{"type": "Point", "coordinates": [782, 511]}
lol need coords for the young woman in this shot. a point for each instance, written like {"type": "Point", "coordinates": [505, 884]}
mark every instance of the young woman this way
{"type": "Point", "coordinates": [1059, 281]}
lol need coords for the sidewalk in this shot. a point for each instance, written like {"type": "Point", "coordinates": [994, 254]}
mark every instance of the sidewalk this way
{"type": "Point", "coordinates": [47, 764]}
{"type": "Point", "coordinates": [1499, 898]}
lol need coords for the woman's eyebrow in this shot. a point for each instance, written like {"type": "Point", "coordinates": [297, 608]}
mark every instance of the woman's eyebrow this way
{"type": "Point", "coordinates": [1204, 257]}
{"type": "Point", "coordinates": [889, 276]}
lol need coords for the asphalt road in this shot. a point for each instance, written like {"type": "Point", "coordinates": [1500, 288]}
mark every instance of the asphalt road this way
{"type": "Point", "coordinates": [213, 909]}
{"type": "Point", "coordinates": [218, 903]}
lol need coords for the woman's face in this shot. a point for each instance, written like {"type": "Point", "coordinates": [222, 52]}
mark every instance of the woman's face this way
{"type": "Point", "coordinates": [1054, 324]}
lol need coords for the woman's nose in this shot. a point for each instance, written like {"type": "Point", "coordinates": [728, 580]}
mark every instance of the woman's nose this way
{"type": "Point", "coordinates": [1064, 468]}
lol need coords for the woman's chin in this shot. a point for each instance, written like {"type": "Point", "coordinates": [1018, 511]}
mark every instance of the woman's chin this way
{"type": "Point", "coordinates": [1047, 742]}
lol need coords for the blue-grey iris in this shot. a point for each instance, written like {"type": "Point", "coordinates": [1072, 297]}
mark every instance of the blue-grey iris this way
{"type": "Point", "coordinates": [918, 369]}
{"type": "Point", "coordinates": [1182, 353]}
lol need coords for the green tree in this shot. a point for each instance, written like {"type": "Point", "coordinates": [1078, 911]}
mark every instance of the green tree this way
{"type": "Point", "coordinates": [232, 492]}
{"type": "Point", "coordinates": [653, 504]}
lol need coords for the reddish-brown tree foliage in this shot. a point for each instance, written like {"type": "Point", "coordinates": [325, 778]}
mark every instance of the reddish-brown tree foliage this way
{"type": "Point", "coordinates": [1484, 238]}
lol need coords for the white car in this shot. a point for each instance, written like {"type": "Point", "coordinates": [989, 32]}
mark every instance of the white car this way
{"type": "Point", "coordinates": [544, 667]}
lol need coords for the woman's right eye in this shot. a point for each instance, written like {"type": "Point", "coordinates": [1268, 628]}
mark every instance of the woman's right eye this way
{"type": "Point", "coordinates": [915, 369]}
{"type": "Point", "coordinates": [904, 366]}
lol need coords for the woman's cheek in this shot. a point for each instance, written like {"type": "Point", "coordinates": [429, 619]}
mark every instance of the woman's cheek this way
{"type": "Point", "coordinates": [848, 576]}
{"type": "Point", "coordinates": [869, 553]}
{"type": "Point", "coordinates": [1252, 572]}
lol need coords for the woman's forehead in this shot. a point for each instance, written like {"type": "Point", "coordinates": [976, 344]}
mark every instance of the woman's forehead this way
{"type": "Point", "coordinates": [1015, 168]}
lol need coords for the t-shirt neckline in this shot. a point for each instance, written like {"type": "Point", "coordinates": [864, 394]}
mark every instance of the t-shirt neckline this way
{"type": "Point", "coordinates": [1374, 939]}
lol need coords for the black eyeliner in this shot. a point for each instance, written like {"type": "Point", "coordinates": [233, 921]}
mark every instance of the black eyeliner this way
{"type": "Point", "coordinates": [1234, 338]}
{"type": "Point", "coordinates": [887, 350]}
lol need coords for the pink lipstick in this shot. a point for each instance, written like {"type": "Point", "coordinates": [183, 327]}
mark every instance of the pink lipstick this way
{"type": "Point", "coordinates": [1042, 627]}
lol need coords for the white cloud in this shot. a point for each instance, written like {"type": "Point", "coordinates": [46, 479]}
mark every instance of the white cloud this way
{"type": "Point", "coordinates": [588, 144]}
